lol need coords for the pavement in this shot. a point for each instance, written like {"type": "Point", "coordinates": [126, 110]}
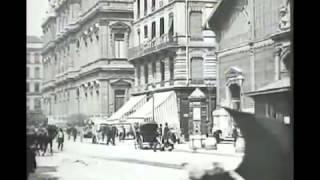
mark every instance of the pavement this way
{"type": "Point", "coordinates": [91, 161]}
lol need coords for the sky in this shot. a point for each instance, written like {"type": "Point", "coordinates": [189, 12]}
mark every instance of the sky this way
{"type": "Point", "coordinates": [35, 13]}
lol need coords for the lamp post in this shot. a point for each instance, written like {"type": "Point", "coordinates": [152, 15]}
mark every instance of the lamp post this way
{"type": "Point", "coordinates": [153, 88]}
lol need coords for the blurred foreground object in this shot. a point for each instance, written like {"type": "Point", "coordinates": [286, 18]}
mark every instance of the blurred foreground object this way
{"type": "Point", "coordinates": [268, 152]}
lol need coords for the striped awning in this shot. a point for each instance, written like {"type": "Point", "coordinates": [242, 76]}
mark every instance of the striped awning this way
{"type": "Point", "coordinates": [134, 103]}
{"type": "Point", "coordinates": [165, 109]}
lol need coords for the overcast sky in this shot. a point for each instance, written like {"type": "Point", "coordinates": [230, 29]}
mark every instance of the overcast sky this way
{"type": "Point", "coordinates": [35, 13]}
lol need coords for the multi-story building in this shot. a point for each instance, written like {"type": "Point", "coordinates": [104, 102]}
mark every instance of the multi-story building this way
{"type": "Point", "coordinates": [254, 55]}
{"type": "Point", "coordinates": [34, 74]}
{"type": "Point", "coordinates": [173, 56]}
{"type": "Point", "coordinates": [85, 57]}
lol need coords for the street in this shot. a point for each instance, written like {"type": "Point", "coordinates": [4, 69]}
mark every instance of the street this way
{"type": "Point", "coordinates": [86, 161]}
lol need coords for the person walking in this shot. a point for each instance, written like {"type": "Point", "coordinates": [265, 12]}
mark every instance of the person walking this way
{"type": "Point", "coordinates": [165, 134]}
{"type": "Point", "coordinates": [235, 136]}
{"type": "Point", "coordinates": [114, 132]}
{"type": "Point", "coordinates": [60, 139]}
{"type": "Point", "coordinates": [74, 134]}
{"type": "Point", "coordinates": [123, 133]}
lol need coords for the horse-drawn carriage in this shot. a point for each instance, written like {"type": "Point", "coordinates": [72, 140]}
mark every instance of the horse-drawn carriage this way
{"type": "Point", "coordinates": [147, 136]}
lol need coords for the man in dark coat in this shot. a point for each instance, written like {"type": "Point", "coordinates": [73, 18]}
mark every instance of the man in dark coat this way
{"type": "Point", "coordinates": [74, 133]}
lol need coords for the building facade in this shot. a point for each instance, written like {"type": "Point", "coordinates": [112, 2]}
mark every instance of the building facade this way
{"type": "Point", "coordinates": [34, 74]}
{"type": "Point", "coordinates": [251, 61]}
{"type": "Point", "coordinates": [85, 57]}
{"type": "Point", "coordinates": [172, 56]}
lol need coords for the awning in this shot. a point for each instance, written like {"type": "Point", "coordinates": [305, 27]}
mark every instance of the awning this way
{"type": "Point", "coordinates": [165, 110]}
{"type": "Point", "coordinates": [134, 103]}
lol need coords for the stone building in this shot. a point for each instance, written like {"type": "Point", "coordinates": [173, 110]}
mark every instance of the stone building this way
{"type": "Point", "coordinates": [34, 74]}
{"type": "Point", "coordinates": [253, 50]}
{"type": "Point", "coordinates": [85, 57]}
{"type": "Point", "coordinates": [172, 56]}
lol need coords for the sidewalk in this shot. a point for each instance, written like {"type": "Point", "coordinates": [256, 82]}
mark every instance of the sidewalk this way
{"type": "Point", "coordinates": [46, 168]}
{"type": "Point", "coordinates": [223, 149]}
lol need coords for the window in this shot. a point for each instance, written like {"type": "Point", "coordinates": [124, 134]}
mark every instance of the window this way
{"type": "Point", "coordinates": [162, 69]}
{"type": "Point", "coordinates": [146, 74]}
{"type": "Point", "coordinates": [138, 8]}
{"type": "Point", "coordinates": [37, 72]}
{"type": "Point", "coordinates": [119, 99]}
{"type": "Point", "coordinates": [138, 74]}
{"type": "Point", "coordinates": [145, 31]}
{"type": "Point", "coordinates": [195, 23]}
{"type": "Point", "coordinates": [36, 87]}
{"type": "Point", "coordinates": [171, 24]}
{"type": "Point", "coordinates": [120, 46]}
{"type": "Point", "coordinates": [28, 87]}
{"type": "Point", "coordinates": [197, 70]}
{"type": "Point", "coordinates": [28, 104]}
{"type": "Point", "coordinates": [161, 26]}
{"type": "Point", "coordinates": [37, 104]}
{"type": "Point", "coordinates": [171, 66]}
{"type": "Point", "coordinates": [153, 5]}
{"type": "Point", "coordinates": [28, 58]}
{"type": "Point", "coordinates": [154, 70]}
{"type": "Point", "coordinates": [145, 7]}
{"type": "Point", "coordinates": [28, 72]}
{"type": "Point", "coordinates": [153, 27]}
{"type": "Point", "coordinates": [36, 58]}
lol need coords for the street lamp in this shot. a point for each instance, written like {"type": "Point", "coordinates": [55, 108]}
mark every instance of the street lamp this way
{"type": "Point", "coordinates": [152, 95]}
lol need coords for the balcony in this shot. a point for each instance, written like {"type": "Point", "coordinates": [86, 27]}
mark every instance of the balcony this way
{"type": "Point", "coordinates": [154, 45]}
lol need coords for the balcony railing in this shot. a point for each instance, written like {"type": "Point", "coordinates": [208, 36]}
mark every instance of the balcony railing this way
{"type": "Point", "coordinates": [165, 41]}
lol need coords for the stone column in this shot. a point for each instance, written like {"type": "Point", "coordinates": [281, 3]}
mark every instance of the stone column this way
{"type": "Point", "coordinates": [180, 68]}
{"type": "Point", "coordinates": [277, 63]}
{"type": "Point", "coordinates": [150, 76]}
{"type": "Point", "coordinates": [104, 97]}
{"type": "Point", "coordinates": [103, 38]}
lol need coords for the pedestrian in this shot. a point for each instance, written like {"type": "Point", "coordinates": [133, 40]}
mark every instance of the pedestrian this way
{"type": "Point", "coordinates": [114, 132]}
{"type": "Point", "coordinates": [165, 134]}
{"type": "Point", "coordinates": [44, 141]}
{"type": "Point", "coordinates": [235, 135]}
{"type": "Point", "coordinates": [123, 133]}
{"type": "Point", "coordinates": [160, 132]}
{"type": "Point", "coordinates": [31, 160]}
{"type": "Point", "coordinates": [60, 139]}
{"type": "Point", "coordinates": [109, 134]}
{"type": "Point", "coordinates": [74, 134]}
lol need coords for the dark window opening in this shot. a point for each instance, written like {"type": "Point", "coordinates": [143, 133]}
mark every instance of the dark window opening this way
{"type": "Point", "coordinates": [154, 70]}
{"type": "Point", "coordinates": [171, 66]}
{"type": "Point", "coordinates": [162, 69]}
{"type": "Point", "coordinates": [235, 96]}
{"type": "Point", "coordinates": [161, 26]}
{"type": "Point", "coordinates": [119, 99]}
{"type": "Point", "coordinates": [146, 74]}
{"type": "Point", "coordinates": [171, 25]}
{"type": "Point", "coordinates": [37, 87]}
{"type": "Point", "coordinates": [145, 31]}
{"type": "Point", "coordinates": [138, 8]}
{"type": "Point", "coordinates": [145, 7]}
{"type": "Point", "coordinates": [153, 33]}
{"type": "Point", "coordinates": [153, 5]}
{"type": "Point", "coordinates": [138, 74]}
